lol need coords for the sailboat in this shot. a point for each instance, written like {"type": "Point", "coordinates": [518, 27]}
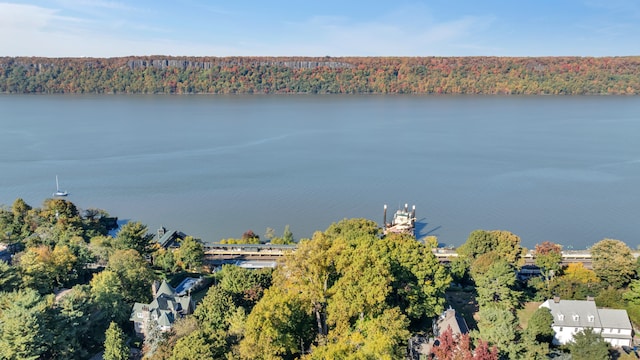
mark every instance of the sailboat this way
{"type": "Point", "coordinates": [58, 191]}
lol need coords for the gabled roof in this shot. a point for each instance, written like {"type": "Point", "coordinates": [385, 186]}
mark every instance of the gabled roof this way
{"type": "Point", "coordinates": [165, 289]}
{"type": "Point", "coordinates": [170, 238]}
{"type": "Point", "coordinates": [137, 307]}
{"type": "Point", "coordinates": [450, 319]}
{"type": "Point", "coordinates": [165, 318]}
{"type": "Point", "coordinates": [576, 313]}
{"type": "Point", "coordinates": [165, 307]}
{"type": "Point", "coordinates": [585, 314]}
{"type": "Point", "coordinates": [615, 319]}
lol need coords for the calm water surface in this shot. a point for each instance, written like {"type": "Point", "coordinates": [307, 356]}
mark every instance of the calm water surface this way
{"type": "Point", "coordinates": [564, 169]}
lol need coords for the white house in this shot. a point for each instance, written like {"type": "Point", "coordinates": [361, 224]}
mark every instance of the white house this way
{"type": "Point", "coordinates": [572, 316]}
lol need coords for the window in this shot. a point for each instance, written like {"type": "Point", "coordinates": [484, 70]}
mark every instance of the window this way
{"type": "Point", "coordinates": [561, 317]}
{"type": "Point", "coordinates": [576, 317]}
{"type": "Point", "coordinates": [560, 329]}
{"type": "Point", "coordinates": [591, 318]}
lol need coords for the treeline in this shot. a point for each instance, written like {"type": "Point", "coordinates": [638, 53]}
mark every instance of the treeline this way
{"type": "Point", "coordinates": [67, 286]}
{"type": "Point", "coordinates": [67, 290]}
{"type": "Point", "coordinates": [325, 75]}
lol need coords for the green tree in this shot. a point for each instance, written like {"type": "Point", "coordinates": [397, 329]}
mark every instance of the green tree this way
{"type": "Point", "coordinates": [588, 345]}
{"type": "Point", "coordinates": [548, 258]}
{"type": "Point", "coordinates": [246, 286]}
{"type": "Point", "coordinates": [496, 286]}
{"type": "Point", "coordinates": [539, 326]}
{"type": "Point", "coordinates": [134, 235]}
{"type": "Point", "coordinates": [102, 247]}
{"type": "Point", "coordinates": [20, 210]}
{"type": "Point", "coordinates": [363, 283]}
{"type": "Point", "coordinates": [287, 235]}
{"type": "Point", "coordinates": [190, 253]}
{"type": "Point", "coordinates": [308, 271]}
{"type": "Point", "coordinates": [134, 273]}
{"type": "Point", "coordinates": [348, 279]}
{"type": "Point", "coordinates": [9, 277]}
{"type": "Point", "coordinates": [248, 240]}
{"type": "Point", "coordinates": [380, 337]}
{"type": "Point", "coordinates": [632, 295]}
{"type": "Point", "coordinates": [278, 326]}
{"type": "Point", "coordinates": [165, 259]}
{"type": "Point", "coordinates": [115, 344]}
{"type": "Point", "coordinates": [532, 349]}
{"type": "Point", "coordinates": [24, 333]}
{"type": "Point", "coordinates": [214, 309]}
{"type": "Point", "coordinates": [181, 328]}
{"type": "Point", "coordinates": [76, 332]}
{"type": "Point", "coordinates": [458, 268]}
{"type": "Point", "coordinates": [108, 296]}
{"type": "Point", "coordinates": [199, 345]}
{"type": "Point", "coordinates": [503, 243]}
{"type": "Point", "coordinates": [418, 281]}
{"type": "Point", "coordinates": [613, 262]}
{"type": "Point", "coordinates": [431, 241]}
{"type": "Point", "coordinates": [499, 327]}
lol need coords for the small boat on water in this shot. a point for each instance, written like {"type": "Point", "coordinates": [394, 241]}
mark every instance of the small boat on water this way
{"type": "Point", "coordinates": [58, 191]}
{"type": "Point", "coordinates": [403, 221]}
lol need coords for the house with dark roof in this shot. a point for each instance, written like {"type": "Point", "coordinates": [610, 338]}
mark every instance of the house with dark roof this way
{"type": "Point", "coordinates": [166, 307]}
{"type": "Point", "coordinates": [572, 316]}
{"type": "Point", "coordinates": [449, 319]}
{"type": "Point", "coordinates": [170, 239]}
{"type": "Point", "coordinates": [420, 347]}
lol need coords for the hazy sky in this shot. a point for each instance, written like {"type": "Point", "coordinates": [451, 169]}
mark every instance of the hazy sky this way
{"type": "Point", "coordinates": [106, 28]}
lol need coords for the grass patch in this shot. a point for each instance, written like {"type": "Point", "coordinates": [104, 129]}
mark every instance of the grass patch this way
{"type": "Point", "coordinates": [526, 312]}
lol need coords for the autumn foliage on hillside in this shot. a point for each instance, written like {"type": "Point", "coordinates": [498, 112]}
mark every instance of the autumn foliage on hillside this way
{"type": "Point", "coordinates": [323, 75]}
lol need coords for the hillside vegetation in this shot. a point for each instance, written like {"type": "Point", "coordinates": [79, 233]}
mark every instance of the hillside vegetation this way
{"type": "Point", "coordinates": [325, 75]}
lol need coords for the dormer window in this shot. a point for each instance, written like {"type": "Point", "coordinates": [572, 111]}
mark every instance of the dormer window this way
{"type": "Point", "coordinates": [591, 318]}
{"type": "Point", "coordinates": [561, 317]}
{"type": "Point", "coordinates": [576, 317]}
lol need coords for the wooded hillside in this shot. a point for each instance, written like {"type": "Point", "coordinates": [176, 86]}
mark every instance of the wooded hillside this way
{"type": "Point", "coordinates": [326, 75]}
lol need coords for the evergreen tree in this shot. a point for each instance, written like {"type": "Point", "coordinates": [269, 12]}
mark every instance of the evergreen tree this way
{"type": "Point", "coordinates": [23, 326]}
{"type": "Point", "coordinates": [115, 345]}
{"type": "Point", "coordinates": [134, 235]}
{"type": "Point", "coordinates": [539, 325]}
{"type": "Point", "coordinates": [287, 236]}
{"type": "Point", "coordinates": [588, 345]}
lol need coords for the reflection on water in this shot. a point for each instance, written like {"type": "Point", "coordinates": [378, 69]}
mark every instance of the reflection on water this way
{"type": "Point", "coordinates": [563, 169]}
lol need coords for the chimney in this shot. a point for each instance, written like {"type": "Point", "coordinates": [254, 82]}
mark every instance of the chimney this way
{"type": "Point", "coordinates": [556, 299]}
{"type": "Point", "coordinates": [155, 286]}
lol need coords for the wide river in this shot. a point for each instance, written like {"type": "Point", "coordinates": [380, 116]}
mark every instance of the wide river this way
{"type": "Point", "coordinates": [564, 169]}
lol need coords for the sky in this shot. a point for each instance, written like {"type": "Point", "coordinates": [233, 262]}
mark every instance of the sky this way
{"type": "Point", "coordinates": [114, 28]}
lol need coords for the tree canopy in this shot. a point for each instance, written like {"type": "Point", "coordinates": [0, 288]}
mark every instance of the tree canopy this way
{"type": "Point", "coordinates": [326, 75]}
{"type": "Point", "coordinates": [613, 262]}
{"type": "Point", "coordinates": [588, 345]}
{"type": "Point", "coordinates": [347, 280]}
